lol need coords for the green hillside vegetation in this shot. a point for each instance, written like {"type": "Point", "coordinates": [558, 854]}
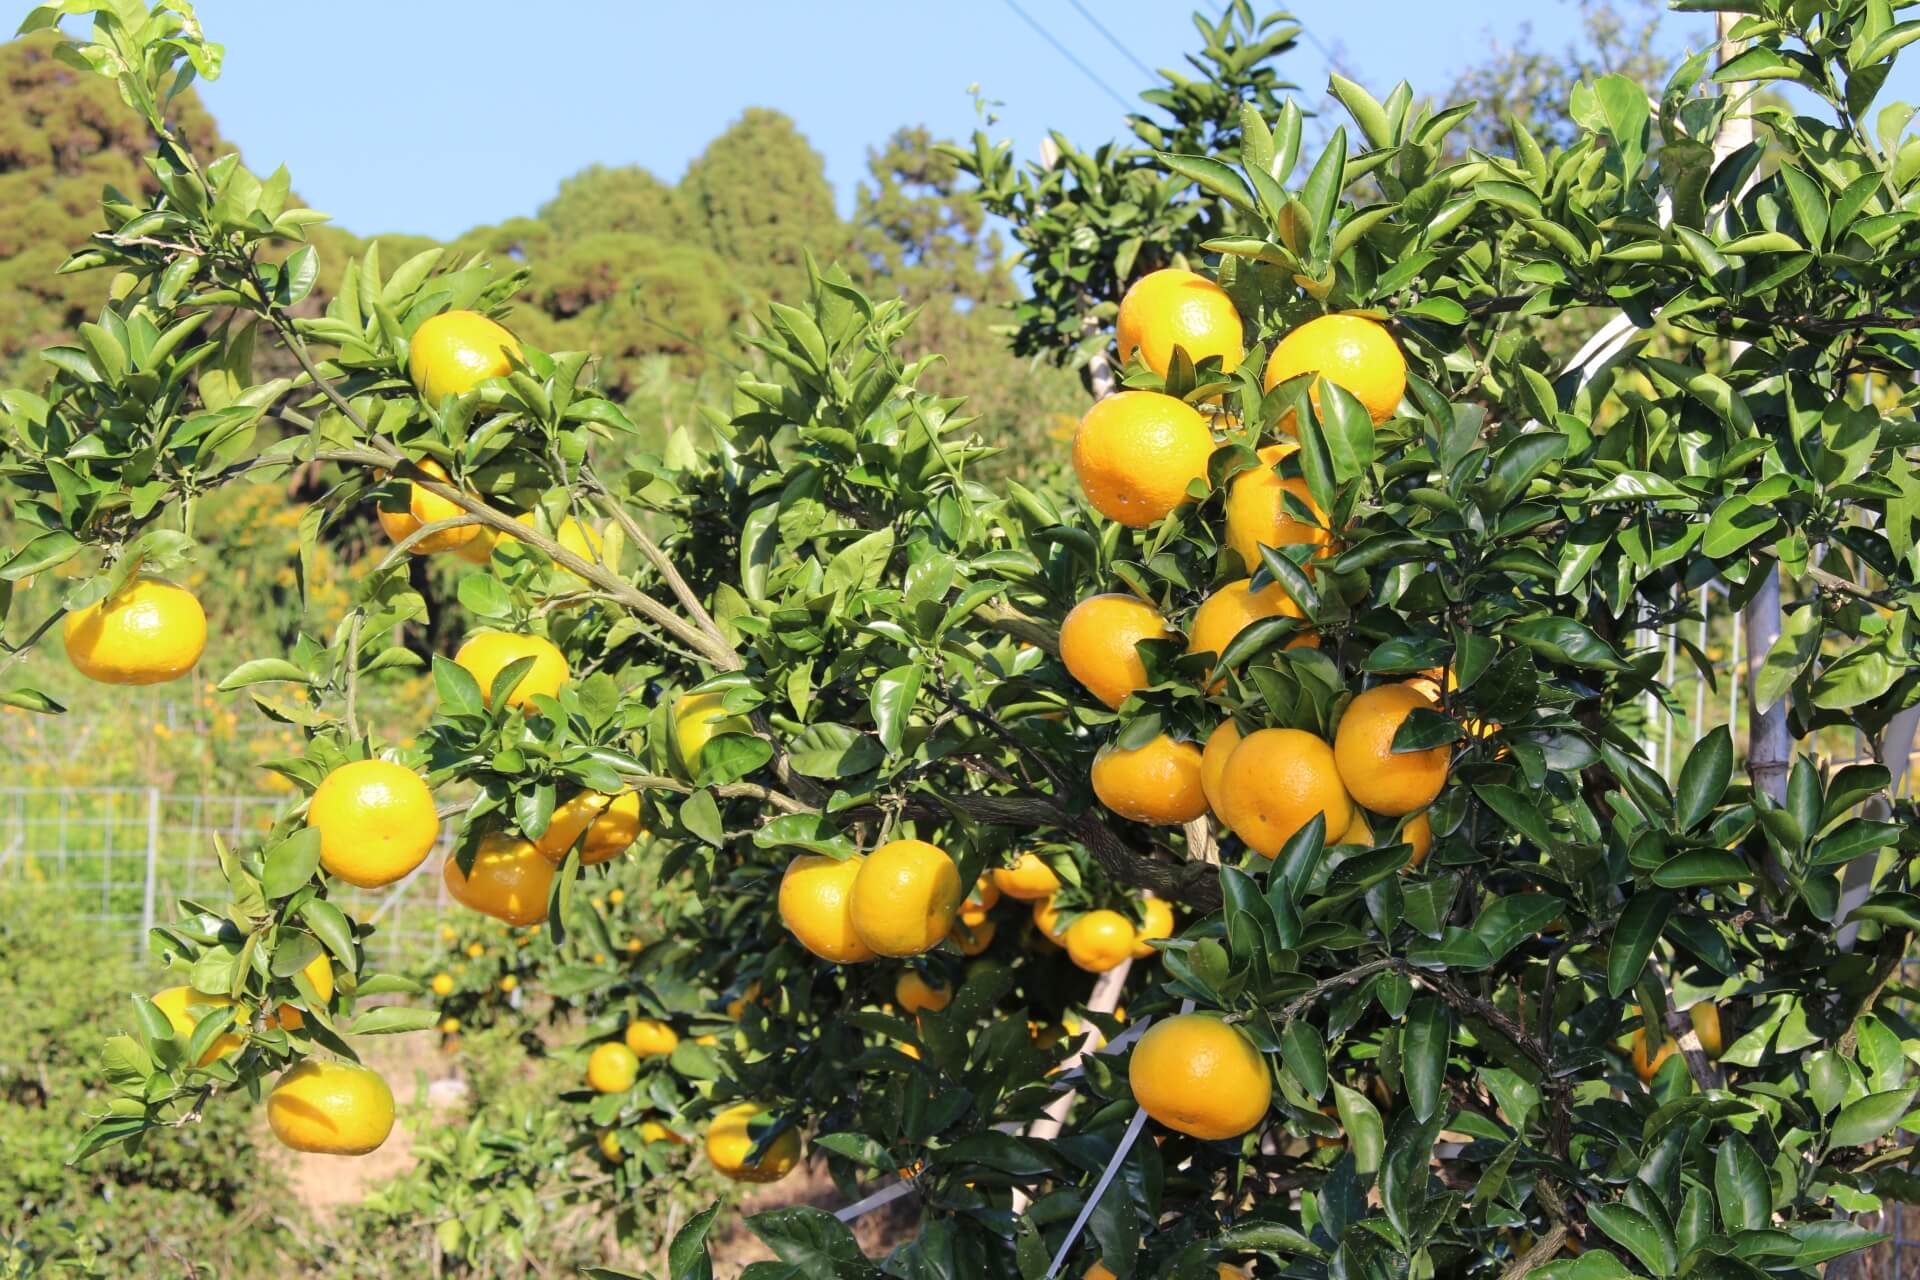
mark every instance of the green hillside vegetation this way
{"type": "Point", "coordinates": [654, 277]}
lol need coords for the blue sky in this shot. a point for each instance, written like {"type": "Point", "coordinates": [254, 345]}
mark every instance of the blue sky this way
{"type": "Point", "coordinates": [438, 116]}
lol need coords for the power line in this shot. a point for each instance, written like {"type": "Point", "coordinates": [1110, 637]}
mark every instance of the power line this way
{"type": "Point", "coordinates": [1333, 64]}
{"type": "Point", "coordinates": [1068, 54]}
{"type": "Point", "coordinates": [1313, 38]}
{"type": "Point", "coordinates": [1111, 39]}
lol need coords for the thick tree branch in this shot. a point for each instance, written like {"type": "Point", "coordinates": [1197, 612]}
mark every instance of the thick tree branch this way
{"type": "Point", "coordinates": [657, 558]}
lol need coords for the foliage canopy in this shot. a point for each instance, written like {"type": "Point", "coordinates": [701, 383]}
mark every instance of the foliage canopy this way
{"type": "Point", "coordinates": [875, 618]}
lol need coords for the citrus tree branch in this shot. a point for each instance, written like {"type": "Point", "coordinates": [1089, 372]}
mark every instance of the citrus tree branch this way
{"type": "Point", "coordinates": [382, 453]}
{"type": "Point", "coordinates": [730, 790]}
{"type": "Point", "coordinates": [21, 650]}
{"type": "Point", "coordinates": [650, 549]}
{"type": "Point", "coordinates": [610, 584]}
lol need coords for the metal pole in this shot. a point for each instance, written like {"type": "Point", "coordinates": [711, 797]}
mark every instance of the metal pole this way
{"type": "Point", "coordinates": [1733, 678]}
{"type": "Point", "coordinates": [1769, 745]}
{"type": "Point", "coordinates": [1666, 678]}
{"type": "Point", "coordinates": [1700, 689]}
{"type": "Point", "coordinates": [153, 860]}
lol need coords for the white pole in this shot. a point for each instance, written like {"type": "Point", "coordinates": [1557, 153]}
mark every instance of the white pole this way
{"type": "Point", "coordinates": [1666, 678]}
{"type": "Point", "coordinates": [153, 859]}
{"type": "Point", "coordinates": [1733, 677]}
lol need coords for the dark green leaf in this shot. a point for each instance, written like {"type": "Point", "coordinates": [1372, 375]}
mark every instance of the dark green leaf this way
{"type": "Point", "coordinates": [1305, 1054]}
{"type": "Point", "coordinates": [829, 750]}
{"type": "Point", "coordinates": [1703, 779]}
{"type": "Point", "coordinates": [1425, 1041]}
{"type": "Point", "coordinates": [1870, 1118]}
{"type": "Point", "coordinates": [459, 691]}
{"type": "Point", "coordinates": [290, 864]}
{"type": "Point", "coordinates": [1634, 937]}
{"type": "Point", "coordinates": [687, 1256]}
{"type": "Point", "coordinates": [1640, 1234]}
{"type": "Point", "coordinates": [1700, 867]}
{"type": "Point", "coordinates": [1741, 1185]}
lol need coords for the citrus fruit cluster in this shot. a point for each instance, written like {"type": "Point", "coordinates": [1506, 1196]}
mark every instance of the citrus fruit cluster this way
{"type": "Point", "coordinates": [375, 818]}
{"type": "Point", "coordinates": [1139, 456]}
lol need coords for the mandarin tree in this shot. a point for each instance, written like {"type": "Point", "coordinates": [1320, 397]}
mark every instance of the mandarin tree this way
{"type": "Point", "coordinates": [1438, 973]}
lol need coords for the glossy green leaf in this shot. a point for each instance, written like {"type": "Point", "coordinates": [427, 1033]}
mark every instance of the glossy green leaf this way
{"type": "Point", "coordinates": [1634, 937]}
{"type": "Point", "coordinates": [1703, 779]}
{"type": "Point", "coordinates": [1870, 1118]}
{"type": "Point", "coordinates": [1426, 1039]}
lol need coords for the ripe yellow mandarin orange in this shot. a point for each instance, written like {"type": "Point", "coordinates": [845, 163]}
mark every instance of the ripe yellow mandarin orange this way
{"type": "Point", "coordinates": [1263, 509]}
{"type": "Point", "coordinates": [376, 822]}
{"type": "Point", "coordinates": [1171, 308]}
{"type": "Point", "coordinates": [335, 1108]}
{"type": "Point", "coordinates": [319, 975]}
{"type": "Point", "coordinates": [487, 653]}
{"type": "Point", "coordinates": [1028, 879]}
{"type": "Point", "coordinates": [1157, 922]}
{"type": "Point", "coordinates": [449, 1025]}
{"type": "Point", "coordinates": [1097, 642]}
{"type": "Point", "coordinates": [479, 548]}
{"type": "Point", "coordinates": [1275, 781]}
{"type": "Point", "coordinates": [1644, 1066]}
{"type": "Point", "coordinates": [184, 1007]}
{"type": "Point", "coordinates": [452, 353]}
{"type": "Point", "coordinates": [1157, 783]}
{"type": "Point", "coordinates": [443, 984]}
{"type": "Point", "coordinates": [914, 993]}
{"type": "Point", "coordinates": [1213, 761]}
{"type": "Point", "coordinates": [474, 950]}
{"type": "Point", "coordinates": [509, 983]}
{"type": "Point", "coordinates": [1135, 454]}
{"type": "Point", "coordinates": [610, 1146]}
{"type": "Point", "coordinates": [697, 719]}
{"type": "Point", "coordinates": [1354, 353]}
{"type": "Point", "coordinates": [581, 539]}
{"type": "Point", "coordinates": [972, 939]}
{"type": "Point", "coordinates": [612, 1067]}
{"type": "Point", "coordinates": [906, 897]}
{"type": "Point", "coordinates": [1046, 918]}
{"type": "Point", "coordinates": [611, 823]}
{"type": "Point", "coordinates": [1099, 940]}
{"type": "Point", "coordinates": [1196, 1074]}
{"type": "Point", "coordinates": [654, 1131]}
{"type": "Point", "coordinates": [1321, 1140]}
{"type": "Point", "coordinates": [425, 507]}
{"type": "Point", "coordinates": [1235, 607]}
{"type": "Point", "coordinates": [148, 632]}
{"type": "Point", "coordinates": [1359, 831]}
{"type": "Point", "coordinates": [1706, 1024]}
{"type": "Point", "coordinates": [1418, 832]}
{"type": "Point", "coordinates": [985, 893]}
{"type": "Point", "coordinates": [738, 1005]}
{"type": "Point", "coordinates": [1376, 776]}
{"type": "Point", "coordinates": [651, 1038]}
{"type": "Point", "coordinates": [732, 1136]}
{"type": "Point", "coordinates": [510, 880]}
{"type": "Point", "coordinates": [1428, 684]}
{"type": "Point", "coordinates": [816, 905]}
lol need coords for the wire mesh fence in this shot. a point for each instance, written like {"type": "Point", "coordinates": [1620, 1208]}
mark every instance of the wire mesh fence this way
{"type": "Point", "coordinates": [120, 857]}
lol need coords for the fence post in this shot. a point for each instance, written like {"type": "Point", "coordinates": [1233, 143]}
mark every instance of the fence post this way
{"type": "Point", "coordinates": [153, 859]}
